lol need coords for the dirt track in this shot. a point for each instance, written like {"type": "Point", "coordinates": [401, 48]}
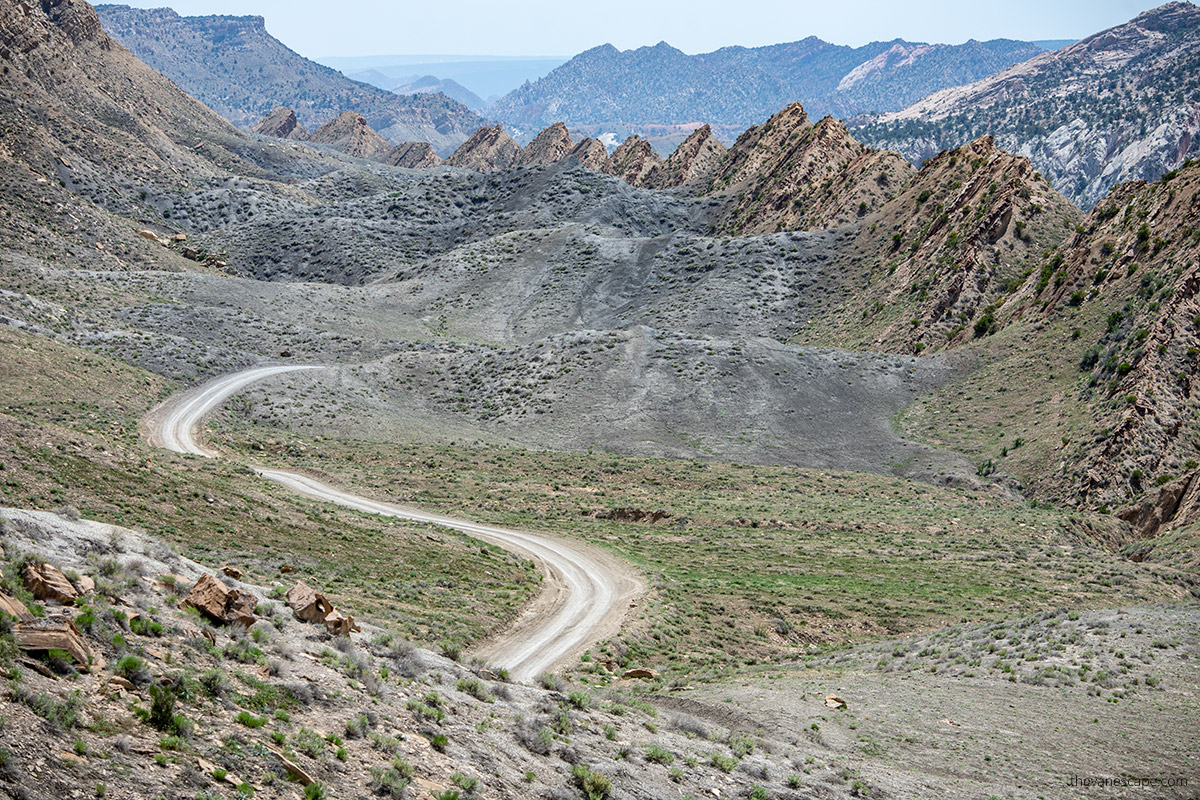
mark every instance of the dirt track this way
{"type": "Point", "coordinates": [586, 593]}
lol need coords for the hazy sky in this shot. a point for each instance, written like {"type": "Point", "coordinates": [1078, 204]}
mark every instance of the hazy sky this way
{"type": "Point", "coordinates": [317, 28]}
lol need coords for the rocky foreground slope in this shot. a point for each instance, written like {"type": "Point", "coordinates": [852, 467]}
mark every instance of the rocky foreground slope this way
{"type": "Point", "coordinates": [137, 673]}
{"type": "Point", "coordinates": [1117, 106]}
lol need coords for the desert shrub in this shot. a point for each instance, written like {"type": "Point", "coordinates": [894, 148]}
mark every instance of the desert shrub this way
{"type": "Point", "coordinates": [358, 726]}
{"type": "Point", "coordinates": [723, 762]}
{"type": "Point", "coordinates": [249, 720]}
{"type": "Point", "coordinates": [659, 755]}
{"type": "Point", "coordinates": [133, 669]}
{"type": "Point", "coordinates": [215, 682]}
{"type": "Point", "coordinates": [593, 784]}
{"type": "Point", "coordinates": [475, 688]}
{"type": "Point", "coordinates": [308, 742]}
{"type": "Point", "coordinates": [690, 725]}
{"type": "Point", "coordinates": [536, 740]}
{"type": "Point", "coordinates": [60, 714]}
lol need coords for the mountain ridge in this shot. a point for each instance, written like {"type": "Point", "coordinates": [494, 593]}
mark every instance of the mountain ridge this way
{"type": "Point", "coordinates": [734, 86]}
{"type": "Point", "coordinates": [1119, 105]}
{"type": "Point", "coordinates": [240, 70]}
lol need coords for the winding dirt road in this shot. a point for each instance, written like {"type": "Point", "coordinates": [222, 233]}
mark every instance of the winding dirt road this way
{"type": "Point", "coordinates": [586, 593]}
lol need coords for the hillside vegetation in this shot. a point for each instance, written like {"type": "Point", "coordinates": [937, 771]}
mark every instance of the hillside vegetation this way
{"type": "Point", "coordinates": [906, 456]}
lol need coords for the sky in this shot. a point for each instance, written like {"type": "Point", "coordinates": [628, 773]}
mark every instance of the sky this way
{"type": "Point", "coordinates": [316, 29]}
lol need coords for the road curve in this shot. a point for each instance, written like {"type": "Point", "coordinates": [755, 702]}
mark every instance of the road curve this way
{"type": "Point", "coordinates": [585, 594]}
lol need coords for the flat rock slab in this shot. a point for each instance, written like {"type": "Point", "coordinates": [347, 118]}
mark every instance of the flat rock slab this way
{"type": "Point", "coordinates": [54, 633]}
{"type": "Point", "coordinates": [48, 583]}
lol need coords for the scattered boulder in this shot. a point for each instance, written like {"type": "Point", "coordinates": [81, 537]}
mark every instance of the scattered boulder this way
{"type": "Point", "coordinates": [833, 701]}
{"type": "Point", "coordinates": [340, 624]}
{"type": "Point", "coordinates": [85, 585]}
{"type": "Point", "coordinates": [151, 236]}
{"type": "Point", "coordinates": [312, 606]}
{"type": "Point", "coordinates": [219, 603]}
{"type": "Point", "coordinates": [639, 673]}
{"type": "Point", "coordinates": [41, 634]}
{"type": "Point", "coordinates": [309, 604]}
{"type": "Point", "coordinates": [14, 607]}
{"type": "Point", "coordinates": [232, 572]}
{"type": "Point", "coordinates": [47, 583]}
{"type": "Point", "coordinates": [294, 771]}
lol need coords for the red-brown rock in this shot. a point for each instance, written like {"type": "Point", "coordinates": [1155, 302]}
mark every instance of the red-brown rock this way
{"type": "Point", "coordinates": [40, 634]}
{"type": "Point", "coordinates": [47, 583]}
{"type": "Point", "coordinates": [219, 603]}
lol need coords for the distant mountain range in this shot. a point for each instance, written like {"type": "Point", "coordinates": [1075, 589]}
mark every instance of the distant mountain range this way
{"type": "Point", "coordinates": [651, 89]}
{"type": "Point", "coordinates": [490, 77]}
{"type": "Point", "coordinates": [1119, 105]}
{"type": "Point", "coordinates": [422, 84]}
{"type": "Point", "coordinates": [240, 71]}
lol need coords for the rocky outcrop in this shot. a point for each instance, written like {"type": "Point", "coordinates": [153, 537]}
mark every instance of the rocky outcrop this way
{"type": "Point", "coordinates": [412, 155]}
{"type": "Point", "coordinates": [218, 602]}
{"type": "Point", "coordinates": [1135, 267]}
{"type": "Point", "coordinates": [78, 20]}
{"type": "Point", "coordinates": [350, 133]}
{"type": "Point", "coordinates": [311, 606]}
{"type": "Point", "coordinates": [47, 583]}
{"type": "Point", "coordinates": [1058, 108]}
{"type": "Point", "coordinates": [590, 153]}
{"type": "Point", "coordinates": [694, 162]}
{"type": "Point", "coordinates": [43, 634]}
{"type": "Point", "coordinates": [635, 515]}
{"type": "Point", "coordinates": [14, 607]}
{"type": "Point", "coordinates": [488, 150]}
{"type": "Point", "coordinates": [281, 123]}
{"type": "Point", "coordinates": [1176, 503]}
{"type": "Point", "coordinates": [956, 239]}
{"type": "Point", "coordinates": [789, 174]}
{"type": "Point", "coordinates": [549, 147]}
{"type": "Point", "coordinates": [633, 161]}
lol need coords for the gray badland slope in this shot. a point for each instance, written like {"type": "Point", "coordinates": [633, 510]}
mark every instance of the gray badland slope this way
{"type": "Point", "coordinates": [544, 307]}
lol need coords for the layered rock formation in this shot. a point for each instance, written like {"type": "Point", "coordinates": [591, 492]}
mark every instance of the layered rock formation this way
{"type": "Point", "coordinates": [412, 155]}
{"type": "Point", "coordinates": [550, 146]}
{"type": "Point", "coordinates": [1117, 106]}
{"type": "Point", "coordinates": [633, 161]}
{"type": "Point", "coordinates": [953, 243]}
{"type": "Point", "coordinates": [694, 163]}
{"type": "Point", "coordinates": [590, 153]}
{"type": "Point", "coordinates": [1136, 265]}
{"type": "Point", "coordinates": [489, 149]}
{"type": "Point", "coordinates": [350, 133]}
{"type": "Point", "coordinates": [281, 123]}
{"type": "Point", "coordinates": [788, 174]}
{"type": "Point", "coordinates": [238, 69]}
